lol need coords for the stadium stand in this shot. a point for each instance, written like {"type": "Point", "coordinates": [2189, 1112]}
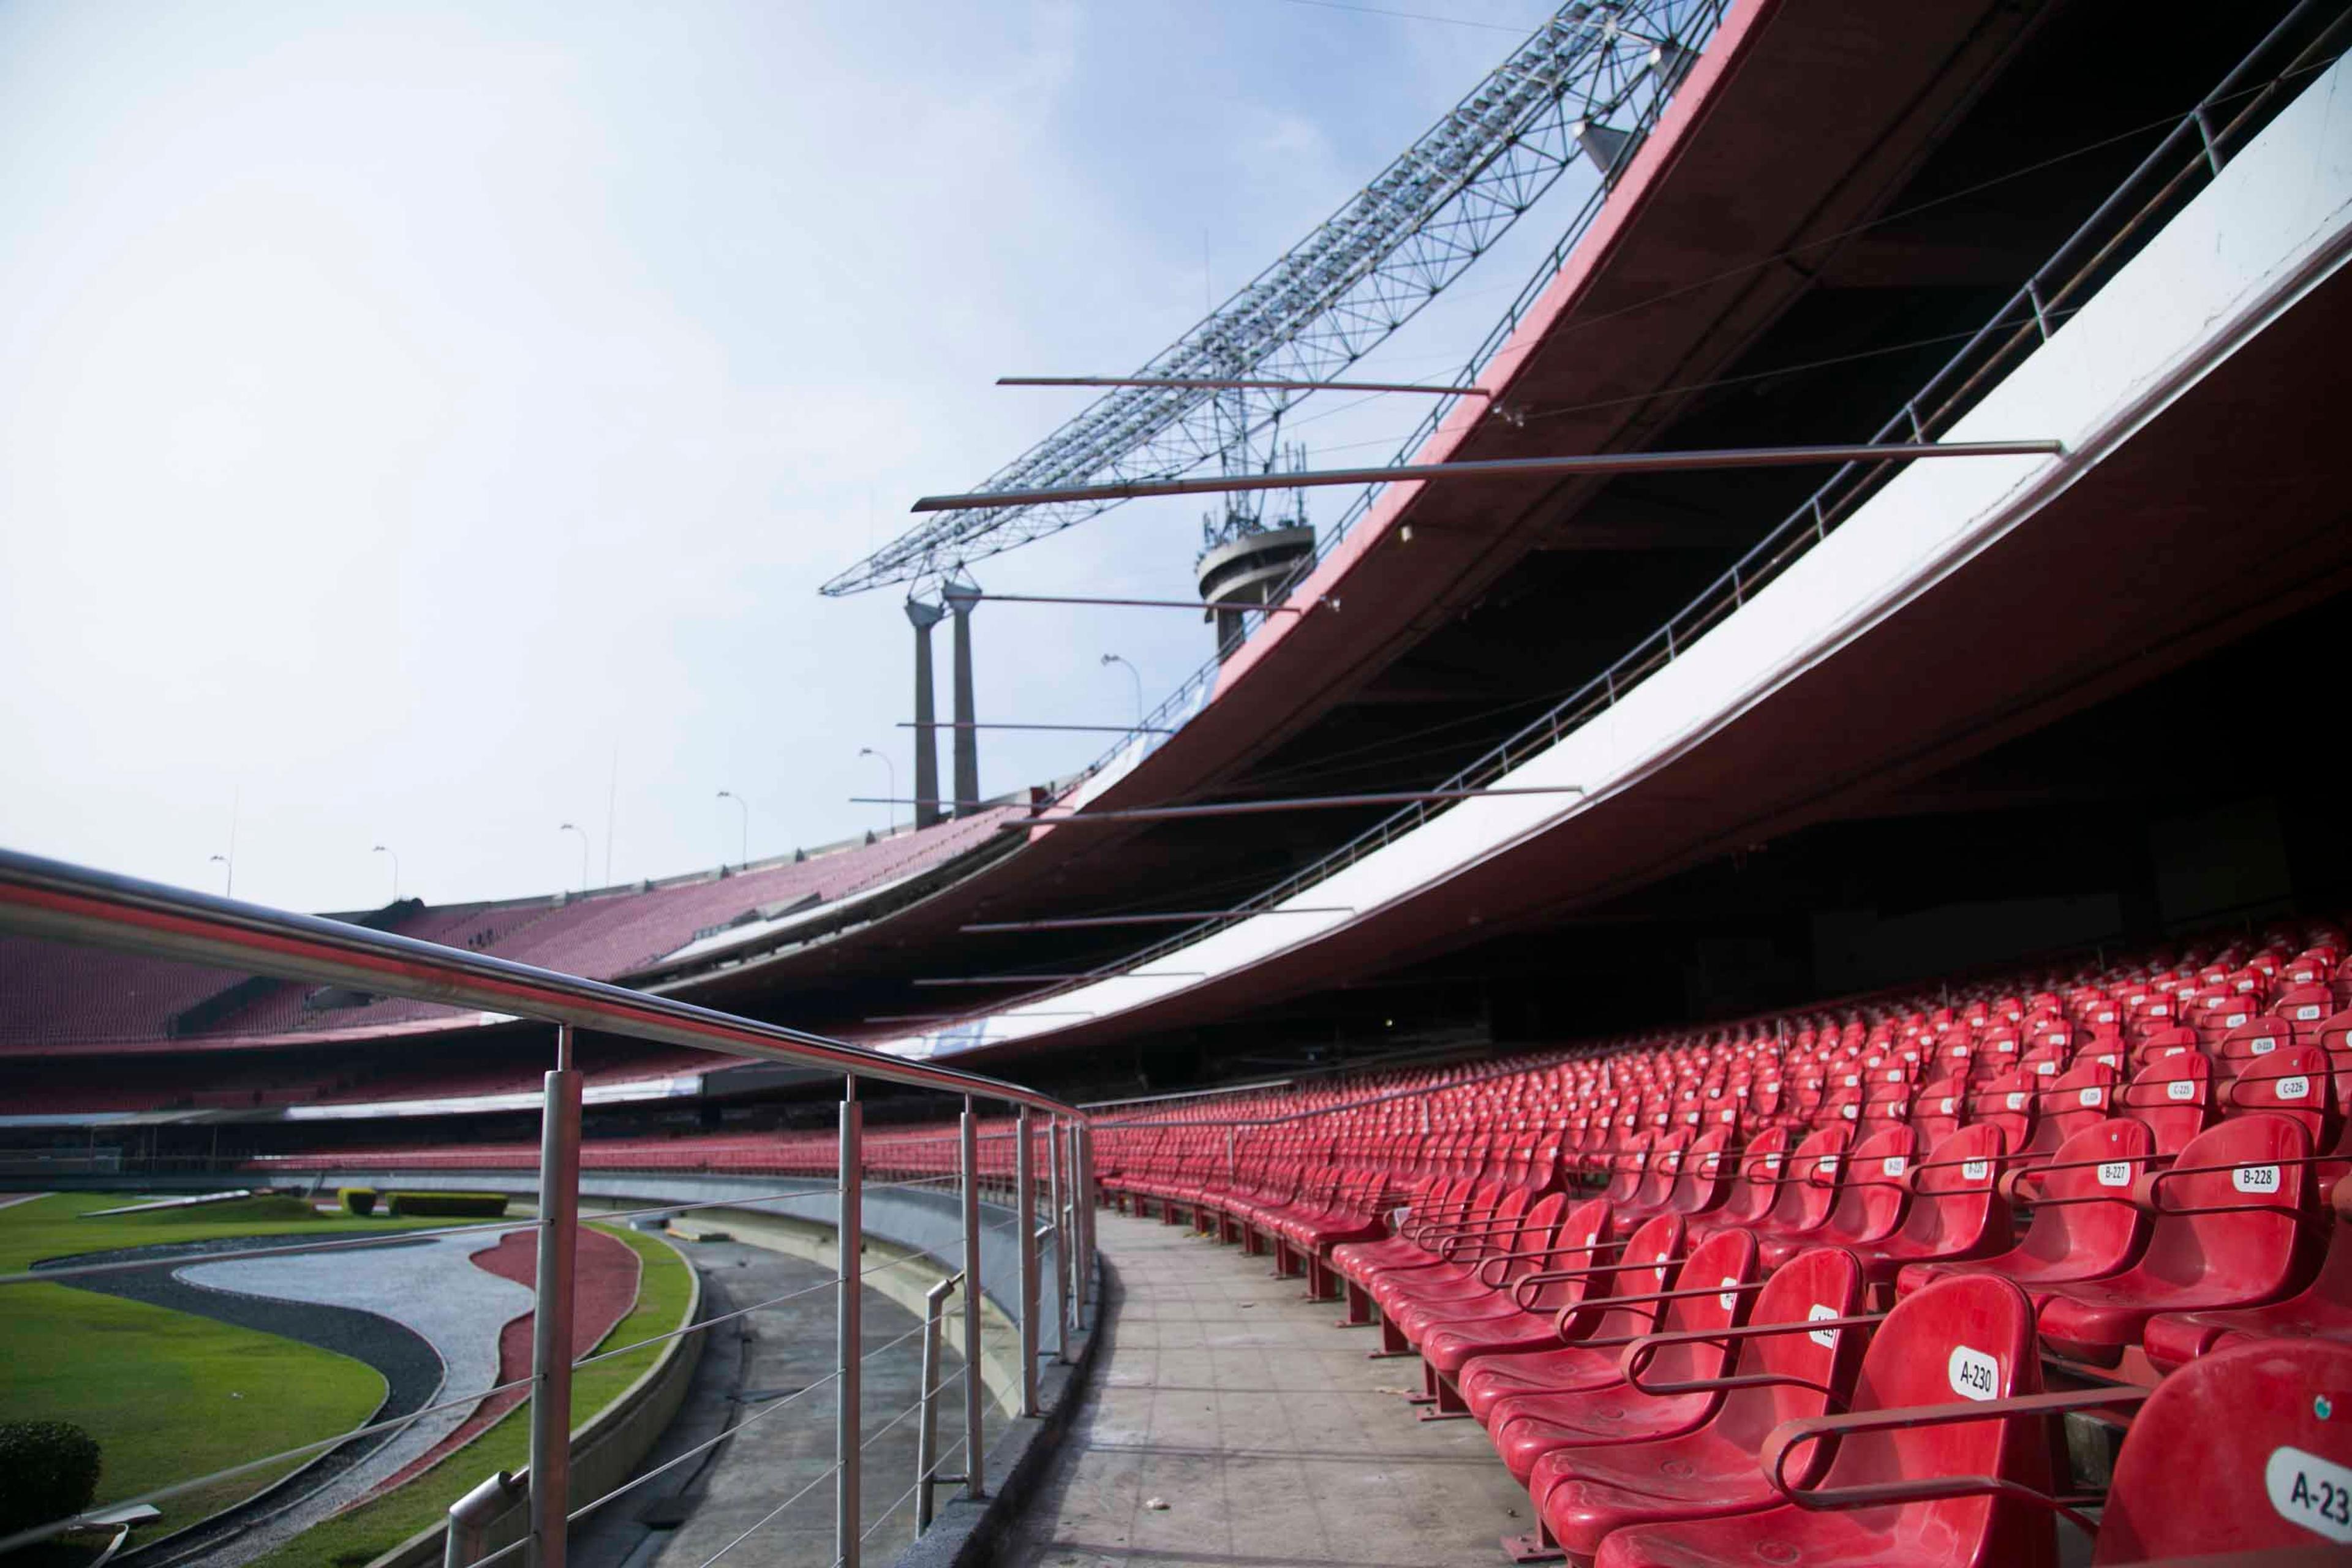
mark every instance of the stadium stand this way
{"type": "Point", "coordinates": [52, 998]}
{"type": "Point", "coordinates": [1821, 1283]}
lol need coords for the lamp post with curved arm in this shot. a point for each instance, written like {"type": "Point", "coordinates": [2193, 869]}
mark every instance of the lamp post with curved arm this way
{"type": "Point", "coordinates": [888, 827]}
{"type": "Point", "coordinates": [1133, 674]}
{"type": "Point", "coordinates": [228, 874]}
{"type": "Point", "coordinates": [379, 849]}
{"type": "Point", "coordinates": [568, 828]}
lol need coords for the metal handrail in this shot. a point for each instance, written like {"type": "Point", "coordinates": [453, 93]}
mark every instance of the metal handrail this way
{"type": "Point", "coordinates": [62, 902]}
{"type": "Point", "coordinates": [52, 900]}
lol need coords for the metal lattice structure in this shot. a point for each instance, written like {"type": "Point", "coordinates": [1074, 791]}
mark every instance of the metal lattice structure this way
{"type": "Point", "coordinates": [1359, 277]}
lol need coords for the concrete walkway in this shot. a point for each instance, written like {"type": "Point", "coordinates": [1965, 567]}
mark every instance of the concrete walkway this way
{"type": "Point", "coordinates": [1269, 1437]}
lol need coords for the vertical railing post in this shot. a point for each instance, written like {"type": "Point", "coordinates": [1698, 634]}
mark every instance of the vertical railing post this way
{"type": "Point", "coordinates": [1054, 1191]}
{"type": "Point", "coordinates": [975, 1466]}
{"type": "Point", "coordinates": [1025, 1227]}
{"type": "Point", "coordinates": [927, 1425]}
{"type": "Point", "coordinates": [1087, 1198]}
{"type": "Point", "coordinates": [849, 1332]}
{"type": "Point", "coordinates": [551, 1334]}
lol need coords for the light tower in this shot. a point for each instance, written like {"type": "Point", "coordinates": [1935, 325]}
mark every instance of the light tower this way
{"type": "Point", "coordinates": [962, 594]}
{"type": "Point", "coordinates": [923, 617]}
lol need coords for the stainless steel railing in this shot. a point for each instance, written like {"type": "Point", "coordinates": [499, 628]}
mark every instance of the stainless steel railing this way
{"type": "Point", "coordinates": [49, 900]}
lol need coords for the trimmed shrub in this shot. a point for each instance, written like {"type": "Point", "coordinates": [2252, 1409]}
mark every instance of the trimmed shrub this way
{"type": "Point", "coordinates": [446, 1206]}
{"type": "Point", "coordinates": [48, 1470]}
{"type": "Point", "coordinates": [359, 1202]}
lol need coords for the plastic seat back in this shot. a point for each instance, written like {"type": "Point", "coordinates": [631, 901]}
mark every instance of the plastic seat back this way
{"type": "Point", "coordinates": [2292, 1081]}
{"type": "Point", "coordinates": [1872, 1196]}
{"type": "Point", "coordinates": [2078, 1098]}
{"type": "Point", "coordinates": [2007, 1103]}
{"type": "Point", "coordinates": [1952, 1209]}
{"type": "Point", "coordinates": [1940, 1108]}
{"type": "Point", "coordinates": [1810, 1187]}
{"type": "Point", "coordinates": [2232, 1208]}
{"type": "Point", "coordinates": [2242, 1450]}
{"type": "Point", "coordinates": [1582, 1230]}
{"type": "Point", "coordinates": [2174, 1096]}
{"type": "Point", "coordinates": [1821, 1282]}
{"type": "Point", "coordinates": [1665, 1167]}
{"type": "Point", "coordinates": [1537, 1234]}
{"type": "Point", "coordinates": [2095, 1228]}
{"type": "Point", "coordinates": [1724, 1260]}
{"type": "Point", "coordinates": [1968, 1337]}
{"type": "Point", "coordinates": [2250, 1042]}
{"type": "Point", "coordinates": [1706, 1173]}
{"type": "Point", "coordinates": [1627, 1166]}
{"type": "Point", "coordinates": [1647, 1267]}
{"type": "Point", "coordinates": [1763, 1165]}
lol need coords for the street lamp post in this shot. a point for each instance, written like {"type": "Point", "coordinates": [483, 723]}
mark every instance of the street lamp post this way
{"type": "Point", "coordinates": [888, 827]}
{"type": "Point", "coordinates": [379, 849]}
{"type": "Point", "coordinates": [745, 806]}
{"type": "Point", "coordinates": [1133, 674]}
{"type": "Point", "coordinates": [229, 873]}
{"type": "Point", "coordinates": [568, 828]}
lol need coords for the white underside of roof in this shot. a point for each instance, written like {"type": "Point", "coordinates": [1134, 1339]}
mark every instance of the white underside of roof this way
{"type": "Point", "coordinates": [2275, 224]}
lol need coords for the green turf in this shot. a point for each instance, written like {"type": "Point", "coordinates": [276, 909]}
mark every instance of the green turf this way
{"type": "Point", "coordinates": [167, 1396]}
{"type": "Point", "coordinates": [368, 1531]}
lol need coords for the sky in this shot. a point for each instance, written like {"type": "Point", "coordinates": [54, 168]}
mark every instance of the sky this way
{"type": "Point", "coordinates": [428, 425]}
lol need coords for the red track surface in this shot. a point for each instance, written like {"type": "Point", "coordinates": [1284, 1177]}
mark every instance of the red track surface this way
{"type": "Point", "coordinates": [606, 1279]}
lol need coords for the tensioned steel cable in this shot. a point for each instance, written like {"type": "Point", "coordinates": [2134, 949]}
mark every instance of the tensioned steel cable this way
{"type": "Point", "coordinates": [760, 1523]}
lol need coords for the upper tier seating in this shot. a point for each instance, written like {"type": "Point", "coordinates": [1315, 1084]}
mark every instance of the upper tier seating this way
{"type": "Point", "coordinates": [54, 995]}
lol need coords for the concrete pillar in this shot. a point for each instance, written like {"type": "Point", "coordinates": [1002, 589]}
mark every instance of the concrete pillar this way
{"type": "Point", "coordinates": [924, 618]}
{"type": "Point", "coordinates": [962, 594]}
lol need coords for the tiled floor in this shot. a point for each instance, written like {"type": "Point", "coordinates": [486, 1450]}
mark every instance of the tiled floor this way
{"type": "Point", "coordinates": [1263, 1428]}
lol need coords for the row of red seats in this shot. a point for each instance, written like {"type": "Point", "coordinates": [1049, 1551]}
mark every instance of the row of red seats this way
{"type": "Point", "coordinates": [1618, 1349]}
{"type": "Point", "coordinates": [1740, 1297]}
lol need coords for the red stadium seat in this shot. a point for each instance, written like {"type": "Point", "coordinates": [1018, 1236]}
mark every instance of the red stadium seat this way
{"type": "Point", "coordinates": [1948, 1349]}
{"type": "Point", "coordinates": [2247, 1451]}
{"type": "Point", "coordinates": [1787, 1364]}
{"type": "Point", "coordinates": [2229, 1231]}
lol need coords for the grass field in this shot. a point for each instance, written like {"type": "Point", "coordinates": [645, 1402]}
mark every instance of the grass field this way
{"type": "Point", "coordinates": [167, 1396]}
{"type": "Point", "coordinates": [367, 1532]}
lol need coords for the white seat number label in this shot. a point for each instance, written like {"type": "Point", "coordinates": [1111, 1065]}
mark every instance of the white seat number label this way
{"type": "Point", "coordinates": [2016, 1100]}
{"type": "Point", "coordinates": [1975, 1169]}
{"type": "Point", "coordinates": [2295, 1088]}
{"type": "Point", "coordinates": [1975, 1376]}
{"type": "Point", "coordinates": [2114, 1174]}
{"type": "Point", "coordinates": [2313, 1492]}
{"type": "Point", "coordinates": [1729, 1297]}
{"type": "Point", "coordinates": [1891, 1164]}
{"type": "Point", "coordinates": [2264, 1045]}
{"type": "Point", "coordinates": [1949, 1103]}
{"type": "Point", "coordinates": [2088, 1097]}
{"type": "Point", "coordinates": [2181, 1088]}
{"type": "Point", "coordinates": [1821, 1336]}
{"type": "Point", "coordinates": [2255, 1178]}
